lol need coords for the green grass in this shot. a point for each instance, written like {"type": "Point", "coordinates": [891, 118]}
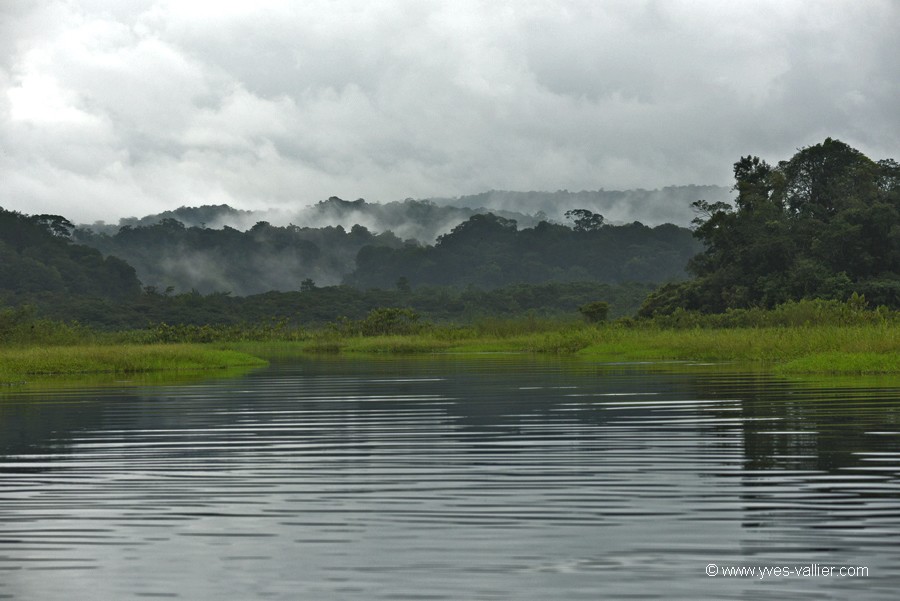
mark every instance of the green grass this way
{"type": "Point", "coordinates": [856, 349]}
{"type": "Point", "coordinates": [777, 344]}
{"type": "Point", "coordinates": [859, 349]}
{"type": "Point", "coordinates": [17, 364]}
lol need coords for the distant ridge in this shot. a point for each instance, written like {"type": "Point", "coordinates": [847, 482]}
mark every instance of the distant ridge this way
{"type": "Point", "coordinates": [420, 220]}
{"type": "Point", "coordinates": [651, 207]}
{"type": "Point", "coordinates": [426, 219]}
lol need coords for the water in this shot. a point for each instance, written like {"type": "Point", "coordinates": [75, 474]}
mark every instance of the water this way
{"type": "Point", "coordinates": [442, 478]}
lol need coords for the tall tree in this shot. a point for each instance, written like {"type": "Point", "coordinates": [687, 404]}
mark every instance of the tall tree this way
{"type": "Point", "coordinates": [824, 224]}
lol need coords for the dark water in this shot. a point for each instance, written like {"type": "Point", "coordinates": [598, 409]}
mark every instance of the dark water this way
{"type": "Point", "coordinates": [503, 478]}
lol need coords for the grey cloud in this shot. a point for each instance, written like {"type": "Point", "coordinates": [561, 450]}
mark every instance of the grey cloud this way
{"type": "Point", "coordinates": [109, 109]}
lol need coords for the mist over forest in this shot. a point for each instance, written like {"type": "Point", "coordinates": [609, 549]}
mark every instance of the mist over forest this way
{"type": "Point", "coordinates": [426, 219]}
{"type": "Point", "coordinates": [202, 249]}
{"type": "Point", "coordinates": [218, 248]}
{"type": "Point", "coordinates": [671, 204]}
{"type": "Point", "coordinates": [824, 224]}
{"type": "Point", "coordinates": [419, 220]}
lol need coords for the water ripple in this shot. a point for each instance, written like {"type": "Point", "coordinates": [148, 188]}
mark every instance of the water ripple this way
{"type": "Point", "coordinates": [447, 479]}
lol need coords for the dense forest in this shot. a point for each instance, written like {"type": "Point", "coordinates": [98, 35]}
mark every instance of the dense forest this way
{"type": "Point", "coordinates": [823, 224]}
{"type": "Point", "coordinates": [39, 261]}
{"type": "Point", "coordinates": [321, 306]}
{"type": "Point", "coordinates": [169, 255]}
{"type": "Point", "coordinates": [485, 250]}
{"type": "Point", "coordinates": [420, 220]}
{"type": "Point", "coordinates": [43, 267]}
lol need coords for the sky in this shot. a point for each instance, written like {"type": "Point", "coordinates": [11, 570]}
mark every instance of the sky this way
{"type": "Point", "coordinates": [112, 108]}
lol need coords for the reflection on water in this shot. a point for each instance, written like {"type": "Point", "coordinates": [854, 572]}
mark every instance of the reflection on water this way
{"type": "Point", "coordinates": [506, 478]}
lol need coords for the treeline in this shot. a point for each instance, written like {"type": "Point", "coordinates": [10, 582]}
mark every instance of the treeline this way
{"type": "Point", "coordinates": [43, 266]}
{"type": "Point", "coordinates": [488, 251]}
{"type": "Point", "coordinates": [39, 261]}
{"type": "Point", "coordinates": [794, 328]}
{"type": "Point", "coordinates": [667, 205]}
{"type": "Point", "coordinates": [319, 306]}
{"type": "Point", "coordinates": [421, 220]}
{"type": "Point", "coordinates": [170, 255]}
{"type": "Point", "coordinates": [824, 224]}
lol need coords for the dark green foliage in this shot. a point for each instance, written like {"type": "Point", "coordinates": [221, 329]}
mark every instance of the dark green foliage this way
{"type": "Point", "coordinates": [807, 312]}
{"type": "Point", "coordinates": [420, 220]}
{"type": "Point", "coordinates": [416, 219]}
{"type": "Point", "coordinates": [21, 325]}
{"type": "Point", "coordinates": [321, 305]}
{"type": "Point", "coordinates": [273, 330]}
{"type": "Point", "coordinates": [585, 220]}
{"type": "Point", "coordinates": [203, 216]}
{"type": "Point", "coordinates": [382, 321]}
{"type": "Point", "coordinates": [265, 257]}
{"type": "Point", "coordinates": [824, 224]}
{"type": "Point", "coordinates": [488, 251]}
{"type": "Point", "coordinates": [55, 224]}
{"type": "Point", "coordinates": [595, 312]}
{"type": "Point", "coordinates": [38, 260]}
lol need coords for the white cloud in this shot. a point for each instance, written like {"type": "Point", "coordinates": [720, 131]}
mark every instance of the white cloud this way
{"type": "Point", "coordinates": [110, 109]}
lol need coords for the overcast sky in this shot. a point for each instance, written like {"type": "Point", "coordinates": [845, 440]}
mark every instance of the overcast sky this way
{"type": "Point", "coordinates": [111, 108]}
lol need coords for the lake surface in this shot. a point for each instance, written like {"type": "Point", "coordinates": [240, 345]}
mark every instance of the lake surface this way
{"type": "Point", "coordinates": [451, 478]}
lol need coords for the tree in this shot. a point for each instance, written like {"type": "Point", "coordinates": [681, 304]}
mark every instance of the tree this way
{"type": "Point", "coordinates": [823, 224]}
{"type": "Point", "coordinates": [585, 220]}
{"type": "Point", "coordinates": [821, 180]}
{"type": "Point", "coordinates": [478, 228]}
{"type": "Point", "coordinates": [55, 224]}
{"type": "Point", "coordinates": [595, 312]}
{"type": "Point", "coordinates": [37, 256]}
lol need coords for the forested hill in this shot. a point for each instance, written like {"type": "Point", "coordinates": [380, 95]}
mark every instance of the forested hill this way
{"type": "Point", "coordinates": [671, 204]}
{"type": "Point", "coordinates": [170, 255]}
{"type": "Point", "coordinates": [39, 260]}
{"type": "Point", "coordinates": [486, 251]}
{"type": "Point", "coordinates": [410, 219]}
{"type": "Point", "coordinates": [41, 266]}
{"type": "Point", "coordinates": [823, 224]}
{"type": "Point", "coordinates": [420, 220]}
{"type": "Point", "coordinates": [489, 251]}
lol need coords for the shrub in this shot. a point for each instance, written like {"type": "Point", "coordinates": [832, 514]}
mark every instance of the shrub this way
{"type": "Point", "coordinates": [595, 312]}
{"type": "Point", "coordinates": [382, 321]}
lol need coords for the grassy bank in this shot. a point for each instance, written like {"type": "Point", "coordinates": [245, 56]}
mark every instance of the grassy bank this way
{"type": "Point", "coordinates": [20, 363]}
{"type": "Point", "coordinates": [802, 337]}
{"type": "Point", "coordinates": [850, 350]}
{"type": "Point", "coordinates": [858, 349]}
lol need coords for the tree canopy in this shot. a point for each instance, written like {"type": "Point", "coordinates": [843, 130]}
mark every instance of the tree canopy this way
{"type": "Point", "coordinates": [38, 258]}
{"type": "Point", "coordinates": [489, 251]}
{"type": "Point", "coordinates": [823, 224]}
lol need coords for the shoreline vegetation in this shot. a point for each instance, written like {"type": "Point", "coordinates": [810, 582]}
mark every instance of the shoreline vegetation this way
{"type": "Point", "coordinates": [17, 365]}
{"type": "Point", "coordinates": [780, 282]}
{"type": "Point", "coordinates": [805, 337]}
